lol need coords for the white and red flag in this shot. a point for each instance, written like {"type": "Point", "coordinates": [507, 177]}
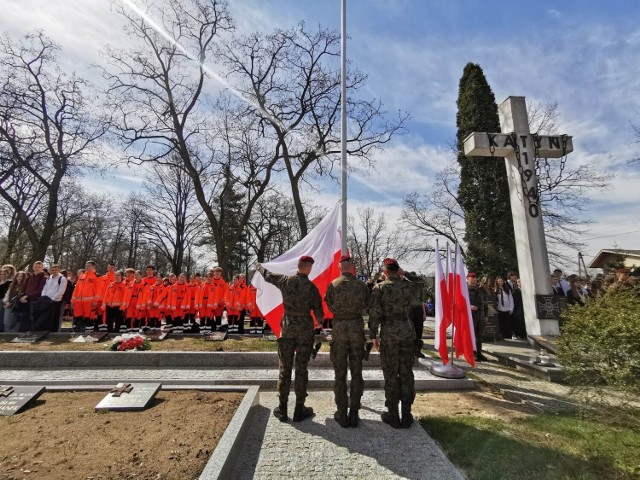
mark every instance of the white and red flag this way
{"type": "Point", "coordinates": [443, 307]}
{"type": "Point", "coordinates": [464, 339]}
{"type": "Point", "coordinates": [323, 244]}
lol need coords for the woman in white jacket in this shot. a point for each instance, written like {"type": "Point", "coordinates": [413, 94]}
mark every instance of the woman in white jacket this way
{"type": "Point", "coordinates": [504, 305]}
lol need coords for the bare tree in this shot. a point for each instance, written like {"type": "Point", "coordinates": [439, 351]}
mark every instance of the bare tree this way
{"type": "Point", "coordinates": [158, 89]}
{"type": "Point", "coordinates": [292, 78]}
{"type": "Point", "coordinates": [47, 131]}
{"type": "Point", "coordinates": [371, 240]}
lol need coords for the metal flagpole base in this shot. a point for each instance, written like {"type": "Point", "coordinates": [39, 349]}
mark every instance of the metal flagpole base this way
{"type": "Point", "coordinates": [447, 371]}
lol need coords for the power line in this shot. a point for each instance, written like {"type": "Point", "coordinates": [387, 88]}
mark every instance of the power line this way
{"type": "Point", "coordinates": [612, 235]}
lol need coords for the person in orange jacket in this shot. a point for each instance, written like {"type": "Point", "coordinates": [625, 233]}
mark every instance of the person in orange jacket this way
{"type": "Point", "coordinates": [189, 306]}
{"type": "Point", "coordinates": [154, 296]}
{"type": "Point", "coordinates": [240, 300]}
{"type": "Point", "coordinates": [204, 304]}
{"type": "Point", "coordinates": [129, 275]}
{"type": "Point", "coordinates": [220, 288]}
{"type": "Point", "coordinates": [133, 305]}
{"type": "Point", "coordinates": [150, 279]}
{"type": "Point", "coordinates": [112, 301]}
{"type": "Point", "coordinates": [229, 305]}
{"type": "Point", "coordinates": [255, 315]}
{"type": "Point", "coordinates": [177, 293]}
{"type": "Point", "coordinates": [105, 281]}
{"type": "Point", "coordinates": [86, 298]}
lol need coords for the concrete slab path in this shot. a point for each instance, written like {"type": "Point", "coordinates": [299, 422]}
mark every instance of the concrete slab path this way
{"type": "Point", "coordinates": [319, 448]}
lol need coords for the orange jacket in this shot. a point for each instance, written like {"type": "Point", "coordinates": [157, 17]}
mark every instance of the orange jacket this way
{"type": "Point", "coordinates": [152, 296]}
{"type": "Point", "coordinates": [114, 295]}
{"type": "Point", "coordinates": [149, 281]}
{"type": "Point", "coordinates": [88, 289]}
{"type": "Point", "coordinates": [133, 296]}
{"type": "Point", "coordinates": [189, 300]}
{"type": "Point", "coordinates": [228, 300]}
{"type": "Point", "coordinates": [241, 297]}
{"type": "Point", "coordinates": [252, 304]}
{"type": "Point", "coordinates": [220, 288]}
{"type": "Point", "coordinates": [205, 296]}
{"type": "Point", "coordinates": [106, 280]}
{"type": "Point", "coordinates": [176, 295]}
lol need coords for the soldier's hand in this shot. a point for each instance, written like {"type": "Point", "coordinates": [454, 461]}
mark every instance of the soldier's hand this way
{"type": "Point", "coordinates": [473, 308]}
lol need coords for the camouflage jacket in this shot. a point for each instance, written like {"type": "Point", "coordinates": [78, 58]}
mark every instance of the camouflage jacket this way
{"type": "Point", "coordinates": [416, 284]}
{"type": "Point", "coordinates": [299, 294]}
{"type": "Point", "coordinates": [347, 296]}
{"type": "Point", "coordinates": [390, 301]}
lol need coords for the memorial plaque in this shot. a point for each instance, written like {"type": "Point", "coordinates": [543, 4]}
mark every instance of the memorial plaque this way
{"type": "Point", "coordinates": [491, 331]}
{"type": "Point", "coordinates": [158, 336]}
{"type": "Point", "coordinates": [98, 335]}
{"type": "Point", "coordinates": [14, 399]}
{"type": "Point", "coordinates": [215, 336]}
{"type": "Point", "coordinates": [30, 337]}
{"type": "Point", "coordinates": [129, 396]}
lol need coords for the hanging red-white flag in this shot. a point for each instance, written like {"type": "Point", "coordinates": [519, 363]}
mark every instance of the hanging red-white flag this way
{"type": "Point", "coordinates": [443, 307]}
{"type": "Point", "coordinates": [323, 244]}
{"type": "Point", "coordinates": [464, 339]}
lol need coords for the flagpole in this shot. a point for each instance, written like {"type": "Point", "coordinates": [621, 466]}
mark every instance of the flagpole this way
{"type": "Point", "coordinates": [343, 122]}
{"type": "Point", "coordinates": [453, 302]}
{"type": "Point", "coordinates": [450, 370]}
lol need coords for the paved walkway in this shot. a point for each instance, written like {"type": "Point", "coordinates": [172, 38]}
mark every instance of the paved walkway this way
{"type": "Point", "coordinates": [318, 448]}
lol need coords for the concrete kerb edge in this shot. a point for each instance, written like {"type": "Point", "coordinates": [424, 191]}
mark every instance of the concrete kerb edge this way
{"type": "Point", "coordinates": [223, 460]}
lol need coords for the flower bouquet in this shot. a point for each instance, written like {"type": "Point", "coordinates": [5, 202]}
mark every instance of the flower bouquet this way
{"type": "Point", "coordinates": [129, 342]}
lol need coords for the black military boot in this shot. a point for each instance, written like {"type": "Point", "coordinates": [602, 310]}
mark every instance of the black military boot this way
{"type": "Point", "coordinates": [407, 418]}
{"type": "Point", "coordinates": [280, 412]}
{"type": "Point", "coordinates": [353, 417]}
{"type": "Point", "coordinates": [341, 417]}
{"type": "Point", "coordinates": [391, 417]}
{"type": "Point", "coordinates": [301, 412]}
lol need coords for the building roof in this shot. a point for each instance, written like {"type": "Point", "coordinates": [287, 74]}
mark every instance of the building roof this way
{"type": "Point", "coordinates": [598, 260]}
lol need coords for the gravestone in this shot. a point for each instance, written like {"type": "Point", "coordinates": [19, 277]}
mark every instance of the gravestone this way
{"type": "Point", "coordinates": [491, 331]}
{"type": "Point", "coordinates": [129, 396]}
{"type": "Point", "coordinates": [30, 337]}
{"type": "Point", "coordinates": [521, 149]}
{"type": "Point", "coordinates": [216, 336]}
{"type": "Point", "coordinates": [14, 399]}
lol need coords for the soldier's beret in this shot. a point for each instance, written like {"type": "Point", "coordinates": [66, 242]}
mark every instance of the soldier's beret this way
{"type": "Point", "coordinates": [390, 262]}
{"type": "Point", "coordinates": [306, 259]}
{"type": "Point", "coordinates": [471, 275]}
{"type": "Point", "coordinates": [345, 258]}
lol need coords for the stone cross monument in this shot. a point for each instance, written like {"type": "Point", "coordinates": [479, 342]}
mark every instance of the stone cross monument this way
{"type": "Point", "coordinates": [521, 150]}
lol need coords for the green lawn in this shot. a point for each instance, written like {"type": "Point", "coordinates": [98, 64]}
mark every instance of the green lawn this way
{"type": "Point", "coordinates": [544, 446]}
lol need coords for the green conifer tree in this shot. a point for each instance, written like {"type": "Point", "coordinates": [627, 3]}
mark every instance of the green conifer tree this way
{"type": "Point", "coordinates": [483, 192]}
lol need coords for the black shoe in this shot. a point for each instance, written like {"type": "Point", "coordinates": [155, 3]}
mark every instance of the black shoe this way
{"type": "Point", "coordinates": [421, 355]}
{"type": "Point", "coordinates": [407, 418]}
{"type": "Point", "coordinates": [392, 419]}
{"type": "Point", "coordinates": [341, 417]}
{"type": "Point", "coordinates": [353, 418]}
{"type": "Point", "coordinates": [281, 413]}
{"type": "Point", "coordinates": [301, 412]}
{"type": "Point", "coordinates": [481, 358]}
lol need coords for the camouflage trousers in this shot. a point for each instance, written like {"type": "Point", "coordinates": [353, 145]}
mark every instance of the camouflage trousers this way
{"type": "Point", "coordinates": [347, 350]}
{"type": "Point", "coordinates": [397, 347]}
{"type": "Point", "coordinates": [295, 343]}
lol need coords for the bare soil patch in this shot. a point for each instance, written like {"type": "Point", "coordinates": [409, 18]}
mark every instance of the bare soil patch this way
{"type": "Point", "coordinates": [62, 437]}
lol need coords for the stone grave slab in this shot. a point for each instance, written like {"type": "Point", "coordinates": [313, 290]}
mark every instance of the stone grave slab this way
{"type": "Point", "coordinates": [93, 337]}
{"type": "Point", "coordinates": [30, 337]}
{"type": "Point", "coordinates": [157, 336]}
{"type": "Point", "coordinates": [215, 336]}
{"type": "Point", "coordinates": [129, 396]}
{"type": "Point", "coordinates": [14, 399]}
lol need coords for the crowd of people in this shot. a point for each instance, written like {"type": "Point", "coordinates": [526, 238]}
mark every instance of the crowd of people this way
{"type": "Point", "coordinates": [126, 301]}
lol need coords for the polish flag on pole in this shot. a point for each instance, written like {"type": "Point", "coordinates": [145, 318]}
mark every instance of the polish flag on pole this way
{"type": "Point", "coordinates": [464, 339]}
{"type": "Point", "coordinates": [323, 244]}
{"type": "Point", "coordinates": [443, 307]}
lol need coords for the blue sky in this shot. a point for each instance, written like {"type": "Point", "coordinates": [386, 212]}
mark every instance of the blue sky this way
{"type": "Point", "coordinates": [581, 54]}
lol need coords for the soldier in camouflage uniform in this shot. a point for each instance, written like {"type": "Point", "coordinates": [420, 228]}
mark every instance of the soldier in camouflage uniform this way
{"type": "Point", "coordinates": [347, 297]}
{"type": "Point", "coordinates": [299, 297]}
{"type": "Point", "coordinates": [389, 313]}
